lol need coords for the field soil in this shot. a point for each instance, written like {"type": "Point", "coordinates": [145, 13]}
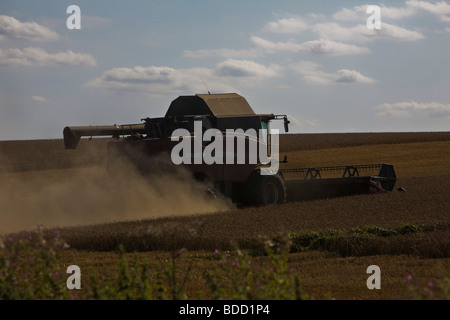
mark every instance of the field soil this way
{"type": "Point", "coordinates": [95, 210]}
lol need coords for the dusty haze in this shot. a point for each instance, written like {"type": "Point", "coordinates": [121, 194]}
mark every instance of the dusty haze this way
{"type": "Point", "coordinates": [92, 194]}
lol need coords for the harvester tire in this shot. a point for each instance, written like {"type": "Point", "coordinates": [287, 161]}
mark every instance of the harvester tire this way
{"type": "Point", "coordinates": [263, 190]}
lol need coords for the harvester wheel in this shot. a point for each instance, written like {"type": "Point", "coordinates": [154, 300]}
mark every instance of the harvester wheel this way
{"type": "Point", "coordinates": [262, 190]}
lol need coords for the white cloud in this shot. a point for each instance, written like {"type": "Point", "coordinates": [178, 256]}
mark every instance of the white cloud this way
{"type": "Point", "coordinates": [39, 99]}
{"type": "Point", "coordinates": [156, 80]}
{"type": "Point", "coordinates": [39, 57]}
{"type": "Point", "coordinates": [440, 9]}
{"type": "Point", "coordinates": [246, 68]}
{"type": "Point", "coordinates": [361, 33]}
{"type": "Point", "coordinates": [320, 47]}
{"type": "Point", "coordinates": [351, 76]}
{"type": "Point", "coordinates": [224, 53]}
{"type": "Point", "coordinates": [287, 25]}
{"type": "Point", "coordinates": [12, 28]}
{"type": "Point", "coordinates": [140, 75]}
{"type": "Point", "coordinates": [358, 33]}
{"type": "Point", "coordinates": [332, 36]}
{"type": "Point", "coordinates": [393, 32]}
{"type": "Point", "coordinates": [358, 13]}
{"type": "Point", "coordinates": [275, 46]}
{"type": "Point", "coordinates": [151, 79]}
{"type": "Point", "coordinates": [311, 74]}
{"type": "Point", "coordinates": [328, 47]}
{"type": "Point", "coordinates": [403, 109]}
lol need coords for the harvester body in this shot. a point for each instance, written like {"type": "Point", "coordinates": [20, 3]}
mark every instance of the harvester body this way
{"type": "Point", "coordinates": [235, 172]}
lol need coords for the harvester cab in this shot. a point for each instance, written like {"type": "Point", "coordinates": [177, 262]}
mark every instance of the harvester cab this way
{"type": "Point", "coordinates": [220, 138]}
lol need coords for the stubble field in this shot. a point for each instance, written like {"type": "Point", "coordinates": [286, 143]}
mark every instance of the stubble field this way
{"type": "Point", "coordinates": [331, 241]}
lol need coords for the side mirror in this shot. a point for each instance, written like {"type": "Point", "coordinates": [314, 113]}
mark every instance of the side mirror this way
{"type": "Point", "coordinates": [286, 124]}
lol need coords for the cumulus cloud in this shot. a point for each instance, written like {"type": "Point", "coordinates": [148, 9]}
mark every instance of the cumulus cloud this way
{"type": "Point", "coordinates": [312, 74]}
{"type": "Point", "coordinates": [358, 33]}
{"type": "Point", "coordinates": [245, 68]}
{"type": "Point", "coordinates": [271, 46]}
{"type": "Point", "coordinates": [140, 75]}
{"type": "Point", "coordinates": [319, 47]}
{"type": "Point", "coordinates": [440, 9]}
{"type": "Point", "coordinates": [223, 53]}
{"type": "Point", "coordinates": [334, 39]}
{"type": "Point", "coordinates": [358, 13]}
{"type": "Point", "coordinates": [287, 25]}
{"type": "Point", "coordinates": [351, 76]}
{"type": "Point", "coordinates": [151, 79]}
{"type": "Point", "coordinates": [406, 108]}
{"type": "Point", "coordinates": [12, 28]}
{"type": "Point", "coordinates": [361, 33]}
{"type": "Point", "coordinates": [39, 57]}
{"type": "Point", "coordinates": [328, 47]}
{"type": "Point", "coordinates": [155, 80]}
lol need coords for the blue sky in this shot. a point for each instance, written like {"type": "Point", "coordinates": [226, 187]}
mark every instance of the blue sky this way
{"type": "Point", "coordinates": [315, 61]}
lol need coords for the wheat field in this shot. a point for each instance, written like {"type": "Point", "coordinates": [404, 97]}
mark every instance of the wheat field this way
{"type": "Point", "coordinates": [333, 240]}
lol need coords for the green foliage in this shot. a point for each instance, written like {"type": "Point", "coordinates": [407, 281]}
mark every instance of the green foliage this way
{"type": "Point", "coordinates": [131, 282]}
{"type": "Point", "coordinates": [29, 267]}
{"type": "Point", "coordinates": [438, 290]}
{"type": "Point", "coordinates": [29, 270]}
{"type": "Point", "coordinates": [356, 241]}
{"type": "Point", "coordinates": [136, 280]}
{"type": "Point", "coordinates": [236, 276]}
{"type": "Point", "coordinates": [407, 228]}
{"type": "Point", "coordinates": [380, 232]}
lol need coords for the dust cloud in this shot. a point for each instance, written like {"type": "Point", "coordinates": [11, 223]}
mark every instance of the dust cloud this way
{"type": "Point", "coordinates": [100, 194]}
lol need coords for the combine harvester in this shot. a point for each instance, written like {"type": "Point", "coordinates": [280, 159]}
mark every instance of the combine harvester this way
{"type": "Point", "coordinates": [191, 131]}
